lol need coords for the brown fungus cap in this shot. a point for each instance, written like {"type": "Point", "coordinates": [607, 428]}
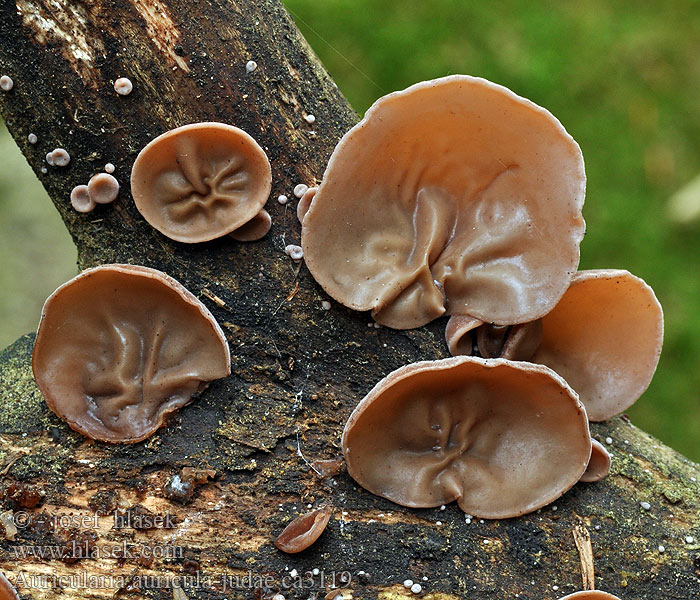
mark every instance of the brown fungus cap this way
{"type": "Point", "coordinates": [199, 182]}
{"type": "Point", "coordinates": [7, 591]}
{"type": "Point", "coordinates": [598, 465]}
{"type": "Point", "coordinates": [501, 438]}
{"type": "Point", "coordinates": [255, 229]}
{"type": "Point", "coordinates": [120, 347]}
{"type": "Point", "coordinates": [304, 530]}
{"type": "Point", "coordinates": [454, 195]}
{"type": "Point", "coordinates": [604, 337]}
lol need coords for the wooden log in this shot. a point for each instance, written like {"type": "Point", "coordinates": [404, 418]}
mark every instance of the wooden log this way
{"type": "Point", "coordinates": [298, 370]}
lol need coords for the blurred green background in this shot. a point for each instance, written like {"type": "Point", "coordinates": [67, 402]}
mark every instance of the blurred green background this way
{"type": "Point", "coordinates": [623, 78]}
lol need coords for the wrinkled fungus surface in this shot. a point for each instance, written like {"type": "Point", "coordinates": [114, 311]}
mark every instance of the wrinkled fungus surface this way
{"type": "Point", "coordinates": [304, 530]}
{"type": "Point", "coordinates": [453, 196]}
{"type": "Point", "coordinates": [604, 337]}
{"type": "Point", "coordinates": [501, 438]}
{"type": "Point", "coordinates": [119, 347]}
{"type": "Point", "coordinates": [599, 464]}
{"type": "Point", "coordinates": [7, 591]}
{"type": "Point", "coordinates": [201, 181]}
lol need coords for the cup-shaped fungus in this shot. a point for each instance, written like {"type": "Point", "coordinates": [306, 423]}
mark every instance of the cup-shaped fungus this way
{"type": "Point", "coordinates": [304, 530]}
{"type": "Point", "coordinates": [454, 195]}
{"type": "Point", "coordinates": [120, 347]}
{"type": "Point", "coordinates": [604, 337]}
{"type": "Point", "coordinates": [7, 591]}
{"type": "Point", "coordinates": [598, 465]}
{"type": "Point", "coordinates": [201, 181]}
{"type": "Point", "coordinates": [254, 229]}
{"type": "Point", "coordinates": [502, 438]}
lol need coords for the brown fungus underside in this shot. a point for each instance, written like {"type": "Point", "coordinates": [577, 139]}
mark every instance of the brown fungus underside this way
{"type": "Point", "coordinates": [453, 196]}
{"type": "Point", "coordinates": [201, 181]}
{"type": "Point", "coordinates": [501, 438]}
{"type": "Point", "coordinates": [303, 531]}
{"type": "Point", "coordinates": [120, 347]}
{"type": "Point", "coordinates": [7, 591]}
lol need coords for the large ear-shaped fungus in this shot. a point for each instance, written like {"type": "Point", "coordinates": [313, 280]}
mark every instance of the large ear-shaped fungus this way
{"type": "Point", "coordinates": [502, 438]}
{"type": "Point", "coordinates": [604, 337]}
{"type": "Point", "coordinates": [454, 195]}
{"type": "Point", "coordinates": [201, 181]}
{"type": "Point", "coordinates": [119, 347]}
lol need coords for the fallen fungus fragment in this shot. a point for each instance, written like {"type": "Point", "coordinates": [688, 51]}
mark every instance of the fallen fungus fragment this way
{"type": "Point", "coordinates": [604, 337]}
{"type": "Point", "coordinates": [80, 199]}
{"type": "Point", "coordinates": [255, 229]}
{"type": "Point", "coordinates": [201, 181]}
{"type": "Point", "coordinates": [501, 438]}
{"type": "Point", "coordinates": [123, 86]}
{"type": "Point", "coordinates": [120, 347]}
{"type": "Point", "coordinates": [103, 188]}
{"type": "Point", "coordinates": [598, 465]}
{"type": "Point", "coordinates": [303, 531]}
{"type": "Point", "coordinates": [453, 196]}
{"type": "Point", "coordinates": [6, 83]}
{"type": "Point", "coordinates": [7, 591]}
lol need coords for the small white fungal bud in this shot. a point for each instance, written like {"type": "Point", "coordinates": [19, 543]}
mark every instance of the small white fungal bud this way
{"type": "Point", "coordinates": [250, 66]}
{"type": "Point", "coordinates": [689, 539]}
{"type": "Point", "coordinates": [44, 170]}
{"type": "Point", "coordinates": [123, 86]}
{"type": "Point", "coordinates": [325, 305]}
{"type": "Point", "coordinates": [300, 189]}
{"type": "Point", "coordinates": [49, 159]}
{"type": "Point", "coordinates": [6, 83]}
{"type": "Point", "coordinates": [645, 505]}
{"type": "Point", "coordinates": [109, 168]}
{"type": "Point", "coordinates": [80, 199]}
{"type": "Point", "coordinates": [662, 549]}
{"type": "Point", "coordinates": [59, 157]}
{"type": "Point", "coordinates": [310, 119]}
{"type": "Point", "coordinates": [32, 139]}
{"type": "Point", "coordinates": [282, 199]}
{"type": "Point", "coordinates": [294, 252]}
{"type": "Point", "coordinates": [408, 583]}
{"type": "Point", "coordinates": [416, 588]}
{"type": "Point", "coordinates": [608, 440]}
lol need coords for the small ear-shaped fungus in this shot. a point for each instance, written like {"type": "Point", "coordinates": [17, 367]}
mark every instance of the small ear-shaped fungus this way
{"type": "Point", "coordinates": [80, 199]}
{"type": "Point", "coordinates": [604, 337]}
{"type": "Point", "coordinates": [305, 203]}
{"type": "Point", "coordinates": [120, 347]}
{"type": "Point", "coordinates": [304, 530]}
{"type": "Point", "coordinates": [7, 591]}
{"type": "Point", "coordinates": [598, 465]}
{"type": "Point", "coordinates": [459, 334]}
{"type": "Point", "coordinates": [201, 181]}
{"type": "Point", "coordinates": [502, 438]}
{"type": "Point", "coordinates": [254, 229]}
{"type": "Point", "coordinates": [590, 595]}
{"type": "Point", "coordinates": [454, 195]}
{"type": "Point", "coordinates": [103, 188]}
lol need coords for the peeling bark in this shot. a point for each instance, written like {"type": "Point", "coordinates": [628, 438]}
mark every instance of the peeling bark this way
{"type": "Point", "coordinates": [298, 370]}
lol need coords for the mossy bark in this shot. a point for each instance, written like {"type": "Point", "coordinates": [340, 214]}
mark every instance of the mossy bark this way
{"type": "Point", "coordinates": [298, 370]}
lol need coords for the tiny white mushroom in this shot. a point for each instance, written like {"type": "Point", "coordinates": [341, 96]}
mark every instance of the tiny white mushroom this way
{"type": "Point", "coordinates": [689, 539]}
{"type": "Point", "coordinates": [282, 199]}
{"type": "Point", "coordinates": [416, 588]}
{"type": "Point", "coordinates": [59, 157]}
{"type": "Point", "coordinates": [109, 168]}
{"type": "Point", "coordinates": [49, 159]}
{"type": "Point", "coordinates": [300, 189]}
{"type": "Point", "coordinates": [6, 83]}
{"type": "Point", "coordinates": [662, 549]}
{"type": "Point", "coordinates": [326, 305]}
{"type": "Point", "coordinates": [645, 505]}
{"type": "Point", "coordinates": [310, 119]}
{"type": "Point", "coordinates": [32, 139]}
{"type": "Point", "coordinates": [294, 252]}
{"type": "Point", "coordinates": [608, 440]}
{"type": "Point", "coordinates": [408, 583]}
{"type": "Point", "coordinates": [250, 66]}
{"type": "Point", "coordinates": [123, 86]}
{"type": "Point", "coordinates": [80, 199]}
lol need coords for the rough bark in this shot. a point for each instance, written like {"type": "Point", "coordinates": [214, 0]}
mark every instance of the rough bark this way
{"type": "Point", "coordinates": [297, 370]}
